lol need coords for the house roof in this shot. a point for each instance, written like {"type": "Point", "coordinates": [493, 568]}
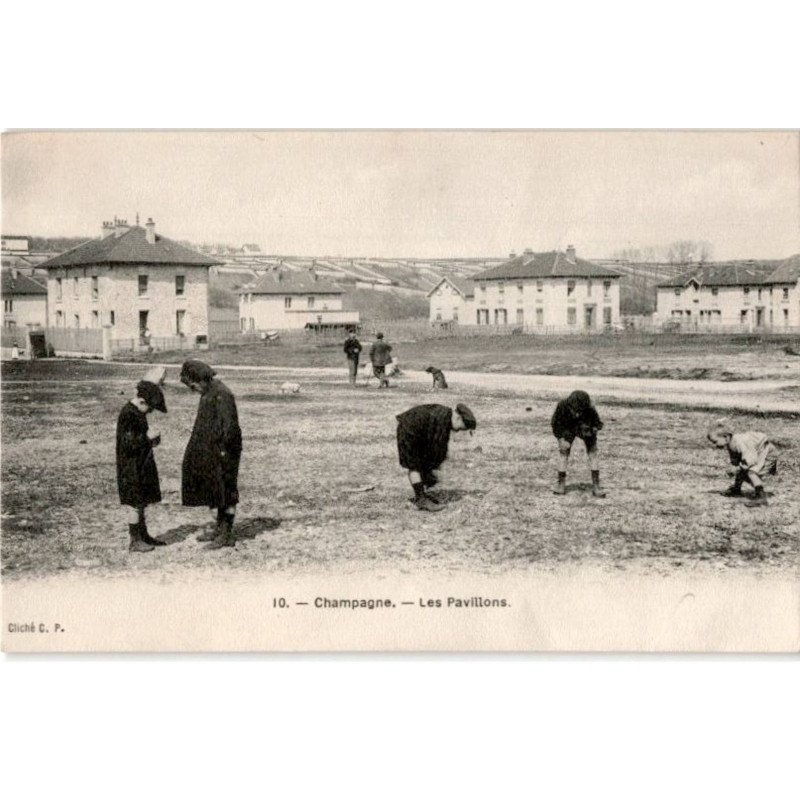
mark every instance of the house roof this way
{"type": "Point", "coordinates": [554, 264]}
{"type": "Point", "coordinates": [20, 285]}
{"type": "Point", "coordinates": [130, 247]}
{"type": "Point", "coordinates": [788, 271]}
{"type": "Point", "coordinates": [734, 273]}
{"type": "Point", "coordinates": [464, 286]}
{"type": "Point", "coordinates": [285, 282]}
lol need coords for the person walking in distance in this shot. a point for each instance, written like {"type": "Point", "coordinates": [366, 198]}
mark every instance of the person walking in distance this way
{"type": "Point", "coordinates": [423, 435]}
{"type": "Point", "coordinates": [211, 461]}
{"type": "Point", "coordinates": [352, 349]}
{"type": "Point", "coordinates": [380, 354]}
{"type": "Point", "coordinates": [137, 476]}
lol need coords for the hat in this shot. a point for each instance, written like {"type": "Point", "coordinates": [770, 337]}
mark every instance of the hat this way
{"type": "Point", "coordinates": [470, 423]}
{"type": "Point", "coordinates": [194, 371]}
{"type": "Point", "coordinates": [156, 375]}
{"type": "Point", "coordinates": [379, 336]}
{"type": "Point", "coordinates": [152, 395]}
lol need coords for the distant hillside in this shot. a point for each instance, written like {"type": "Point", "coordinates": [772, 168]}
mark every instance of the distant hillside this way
{"type": "Point", "coordinates": [382, 305]}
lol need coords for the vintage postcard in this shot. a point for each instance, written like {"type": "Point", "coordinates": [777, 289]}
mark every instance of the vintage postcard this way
{"type": "Point", "coordinates": [401, 391]}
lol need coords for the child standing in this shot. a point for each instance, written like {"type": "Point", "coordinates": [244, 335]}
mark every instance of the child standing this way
{"type": "Point", "coordinates": [137, 475]}
{"type": "Point", "coordinates": [751, 453]}
{"type": "Point", "coordinates": [576, 417]}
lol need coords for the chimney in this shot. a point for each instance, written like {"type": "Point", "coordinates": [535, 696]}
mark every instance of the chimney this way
{"type": "Point", "coordinates": [150, 231]}
{"type": "Point", "coordinates": [571, 253]}
{"type": "Point", "coordinates": [107, 229]}
{"type": "Point", "coordinates": [120, 226]}
{"type": "Point", "coordinates": [512, 254]}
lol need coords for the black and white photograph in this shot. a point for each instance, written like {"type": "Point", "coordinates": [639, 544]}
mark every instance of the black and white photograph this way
{"type": "Point", "coordinates": [400, 390]}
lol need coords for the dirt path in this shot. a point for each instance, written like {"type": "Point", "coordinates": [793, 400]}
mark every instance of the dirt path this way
{"type": "Point", "coordinates": [766, 396]}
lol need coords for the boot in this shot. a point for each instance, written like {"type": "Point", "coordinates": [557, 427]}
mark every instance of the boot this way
{"type": "Point", "coordinates": [137, 545]}
{"type": "Point", "coordinates": [147, 538]}
{"type": "Point", "coordinates": [225, 537]}
{"type": "Point", "coordinates": [425, 503]}
{"type": "Point", "coordinates": [561, 486]}
{"type": "Point", "coordinates": [597, 489]}
{"type": "Point", "coordinates": [759, 499]}
{"type": "Point", "coordinates": [733, 491]}
{"type": "Point", "coordinates": [213, 533]}
{"type": "Point", "coordinates": [429, 480]}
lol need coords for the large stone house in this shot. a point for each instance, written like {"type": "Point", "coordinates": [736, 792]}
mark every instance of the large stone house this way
{"type": "Point", "coordinates": [733, 296]}
{"type": "Point", "coordinates": [547, 292]}
{"type": "Point", "coordinates": [284, 300]}
{"type": "Point", "coordinates": [133, 280]}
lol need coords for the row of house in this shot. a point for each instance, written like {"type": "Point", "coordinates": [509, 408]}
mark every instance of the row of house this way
{"type": "Point", "coordinates": [546, 291]}
{"type": "Point", "coordinates": [739, 296]}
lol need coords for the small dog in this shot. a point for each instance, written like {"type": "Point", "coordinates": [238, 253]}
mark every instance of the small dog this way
{"type": "Point", "coordinates": [290, 388]}
{"type": "Point", "coordinates": [439, 381]}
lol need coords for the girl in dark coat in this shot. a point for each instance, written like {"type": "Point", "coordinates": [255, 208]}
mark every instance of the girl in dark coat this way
{"type": "Point", "coordinates": [423, 434]}
{"type": "Point", "coordinates": [576, 417]}
{"type": "Point", "coordinates": [137, 475]}
{"type": "Point", "coordinates": [211, 462]}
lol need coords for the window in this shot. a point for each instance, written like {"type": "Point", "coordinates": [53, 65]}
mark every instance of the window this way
{"type": "Point", "coordinates": [570, 288]}
{"type": "Point", "coordinates": [520, 316]}
{"type": "Point", "coordinates": [677, 292]}
{"type": "Point", "coordinates": [95, 319]}
{"type": "Point", "coordinates": [539, 286]}
{"type": "Point", "coordinates": [607, 315]}
{"type": "Point", "coordinates": [180, 285]}
{"type": "Point", "coordinates": [572, 316]}
{"type": "Point", "coordinates": [77, 320]}
{"type": "Point", "coordinates": [9, 305]}
{"type": "Point", "coordinates": [75, 287]}
{"type": "Point", "coordinates": [785, 293]}
{"type": "Point", "coordinates": [252, 323]}
{"type": "Point", "coordinates": [242, 324]}
{"type": "Point", "coordinates": [606, 288]}
{"type": "Point", "coordinates": [540, 316]}
{"type": "Point", "coordinates": [438, 315]}
{"type": "Point", "coordinates": [501, 287]}
{"type": "Point", "coordinates": [743, 316]}
{"type": "Point", "coordinates": [143, 286]}
{"type": "Point", "coordinates": [519, 288]}
{"type": "Point", "coordinates": [589, 288]}
{"type": "Point", "coordinates": [59, 289]}
{"type": "Point", "coordinates": [746, 290]}
{"type": "Point", "coordinates": [287, 302]}
{"type": "Point", "coordinates": [180, 317]}
{"type": "Point", "coordinates": [111, 320]}
{"type": "Point", "coordinates": [144, 328]}
{"type": "Point", "coordinates": [455, 315]}
{"type": "Point", "coordinates": [714, 291]}
{"type": "Point", "coordinates": [759, 292]}
{"type": "Point", "coordinates": [482, 287]}
{"type": "Point", "coordinates": [500, 316]}
{"type": "Point", "coordinates": [311, 302]}
{"type": "Point", "coordinates": [95, 287]}
{"type": "Point", "coordinates": [59, 319]}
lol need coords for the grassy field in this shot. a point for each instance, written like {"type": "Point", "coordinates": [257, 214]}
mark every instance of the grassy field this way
{"type": "Point", "coordinates": [302, 454]}
{"type": "Point", "coordinates": [629, 355]}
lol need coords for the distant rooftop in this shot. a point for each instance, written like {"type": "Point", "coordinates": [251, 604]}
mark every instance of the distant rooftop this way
{"type": "Point", "coordinates": [555, 264]}
{"type": "Point", "coordinates": [20, 284]}
{"type": "Point", "coordinates": [286, 282]}
{"type": "Point", "coordinates": [124, 244]}
{"type": "Point", "coordinates": [731, 273]}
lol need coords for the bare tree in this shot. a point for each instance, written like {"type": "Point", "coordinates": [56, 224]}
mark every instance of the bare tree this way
{"type": "Point", "coordinates": [687, 251]}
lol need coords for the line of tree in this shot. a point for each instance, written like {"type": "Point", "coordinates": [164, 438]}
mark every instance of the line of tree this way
{"type": "Point", "coordinates": [680, 252]}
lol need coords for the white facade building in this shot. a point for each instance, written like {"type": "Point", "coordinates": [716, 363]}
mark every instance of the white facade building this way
{"type": "Point", "coordinates": [24, 301]}
{"type": "Point", "coordinates": [284, 300]}
{"type": "Point", "coordinates": [553, 292]}
{"type": "Point", "coordinates": [134, 281]}
{"type": "Point", "coordinates": [734, 296]}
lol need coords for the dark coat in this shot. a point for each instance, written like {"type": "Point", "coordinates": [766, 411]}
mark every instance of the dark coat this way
{"type": "Point", "coordinates": [137, 476]}
{"type": "Point", "coordinates": [423, 433]}
{"type": "Point", "coordinates": [352, 348]}
{"type": "Point", "coordinates": [380, 354]}
{"type": "Point", "coordinates": [576, 417]}
{"type": "Point", "coordinates": [209, 477]}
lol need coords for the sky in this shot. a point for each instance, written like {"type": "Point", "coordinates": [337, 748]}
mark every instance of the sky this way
{"type": "Point", "coordinates": [414, 194]}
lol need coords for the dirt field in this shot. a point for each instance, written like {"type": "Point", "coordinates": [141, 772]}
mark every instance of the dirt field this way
{"type": "Point", "coordinates": [302, 453]}
{"type": "Point", "coordinates": [676, 356]}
